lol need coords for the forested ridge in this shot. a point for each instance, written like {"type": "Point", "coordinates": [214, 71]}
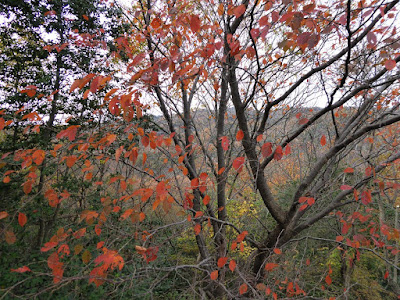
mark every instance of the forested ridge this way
{"type": "Point", "coordinates": [158, 149]}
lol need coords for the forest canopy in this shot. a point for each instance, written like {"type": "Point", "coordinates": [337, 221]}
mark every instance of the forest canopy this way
{"type": "Point", "coordinates": [201, 149]}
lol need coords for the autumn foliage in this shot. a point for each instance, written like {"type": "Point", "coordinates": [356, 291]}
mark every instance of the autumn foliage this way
{"type": "Point", "coordinates": [250, 148]}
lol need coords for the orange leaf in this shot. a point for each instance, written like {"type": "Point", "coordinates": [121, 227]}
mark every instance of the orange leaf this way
{"type": "Point", "coordinates": [75, 85]}
{"type": "Point", "coordinates": [232, 265]}
{"type": "Point", "coordinates": [10, 237]}
{"type": "Point", "coordinates": [222, 261]}
{"type": "Point", "coordinates": [3, 215]}
{"type": "Point", "coordinates": [261, 287]}
{"type": "Point", "coordinates": [277, 251]}
{"type": "Point", "coordinates": [241, 236]}
{"type": "Point", "coordinates": [21, 270]}
{"type": "Point", "coordinates": [38, 156]}
{"type": "Point", "coordinates": [239, 135]}
{"type": "Point", "coordinates": [206, 199]}
{"type": "Point", "coordinates": [142, 216]}
{"type": "Point", "coordinates": [214, 275]}
{"type": "Point", "coordinates": [339, 238]}
{"type": "Point", "coordinates": [328, 280]}
{"type": "Point", "coordinates": [70, 132]}
{"type": "Point", "coordinates": [243, 289]}
{"type": "Point", "coordinates": [2, 123]}
{"type": "Point", "coordinates": [140, 249]}
{"type": "Point", "coordinates": [22, 219]}
{"type": "Point", "coordinates": [220, 9]}
{"type": "Point", "coordinates": [71, 160]}
{"type": "Point", "coordinates": [197, 229]}
{"type": "Point", "coordinates": [156, 23]}
{"type": "Point", "coordinates": [27, 187]}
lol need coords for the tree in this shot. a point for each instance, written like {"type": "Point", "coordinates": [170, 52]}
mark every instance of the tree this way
{"type": "Point", "coordinates": [286, 110]}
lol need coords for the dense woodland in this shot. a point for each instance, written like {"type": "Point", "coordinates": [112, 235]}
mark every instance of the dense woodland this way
{"type": "Point", "coordinates": [159, 149]}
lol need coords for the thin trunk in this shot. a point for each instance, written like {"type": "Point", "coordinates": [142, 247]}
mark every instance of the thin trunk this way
{"type": "Point", "coordinates": [46, 138]}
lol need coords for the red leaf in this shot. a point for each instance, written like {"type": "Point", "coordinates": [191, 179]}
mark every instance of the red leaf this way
{"type": "Point", "coordinates": [70, 133]}
{"type": "Point", "coordinates": [303, 207]}
{"type": "Point", "coordinates": [214, 275]}
{"type": "Point", "coordinates": [270, 266]}
{"type": "Point", "coordinates": [195, 23]}
{"type": "Point", "coordinates": [232, 265]}
{"type": "Point", "coordinates": [323, 140]}
{"type": "Point", "coordinates": [239, 10]}
{"type": "Point", "coordinates": [390, 64]}
{"type": "Point", "coordinates": [206, 199]}
{"type": "Point", "coordinates": [266, 149]}
{"type": "Point", "coordinates": [303, 121]}
{"type": "Point", "coordinates": [278, 153]}
{"type": "Point", "coordinates": [21, 270]}
{"type": "Point", "coordinates": [50, 13]}
{"type": "Point", "coordinates": [288, 150]}
{"type": "Point", "coordinates": [264, 21]}
{"type": "Point", "coordinates": [328, 280]}
{"type": "Point", "coordinates": [366, 197]}
{"type": "Point", "coordinates": [145, 141]}
{"type": "Point", "coordinates": [302, 39]}
{"type": "Point", "coordinates": [243, 289]}
{"type": "Point", "coordinates": [225, 143]}
{"type": "Point", "coordinates": [239, 135]}
{"type": "Point", "coordinates": [222, 261]}
{"type": "Point", "coordinates": [238, 164]}
{"type": "Point", "coordinates": [241, 236]}
{"type": "Point", "coordinates": [348, 170]}
{"type": "Point", "coordinates": [95, 84]}
{"type": "Point", "coordinates": [371, 38]}
{"type": "Point", "coordinates": [386, 275]}
{"type": "Point", "coordinates": [48, 246]}
{"type": "Point", "coordinates": [346, 187]}
{"type": "Point", "coordinates": [22, 219]}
